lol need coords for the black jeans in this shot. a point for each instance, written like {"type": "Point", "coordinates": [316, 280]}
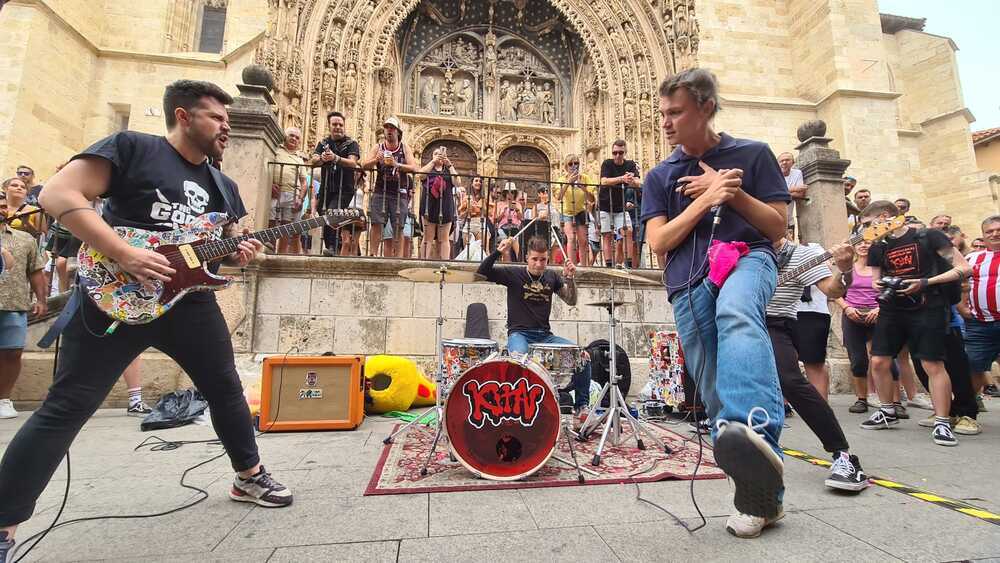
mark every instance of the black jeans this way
{"type": "Point", "coordinates": [856, 339]}
{"type": "Point", "coordinates": [801, 394]}
{"type": "Point", "coordinates": [193, 333]}
{"type": "Point", "coordinates": [956, 362]}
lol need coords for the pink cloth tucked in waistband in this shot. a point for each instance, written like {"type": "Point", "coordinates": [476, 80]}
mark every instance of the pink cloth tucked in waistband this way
{"type": "Point", "coordinates": [722, 258]}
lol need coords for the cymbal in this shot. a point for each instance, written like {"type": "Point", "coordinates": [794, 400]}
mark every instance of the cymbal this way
{"type": "Point", "coordinates": [434, 275]}
{"type": "Point", "coordinates": [625, 275]}
{"type": "Point", "coordinates": [607, 304]}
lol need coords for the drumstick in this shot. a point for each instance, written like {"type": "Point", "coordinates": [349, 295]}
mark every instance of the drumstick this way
{"type": "Point", "coordinates": [525, 228]}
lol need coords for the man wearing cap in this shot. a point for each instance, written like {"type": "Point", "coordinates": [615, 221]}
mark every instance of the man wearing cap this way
{"type": "Point", "coordinates": [389, 205]}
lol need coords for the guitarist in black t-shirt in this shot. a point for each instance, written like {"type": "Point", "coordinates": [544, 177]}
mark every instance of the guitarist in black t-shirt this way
{"type": "Point", "coordinates": [155, 183]}
{"type": "Point", "coordinates": [914, 314]}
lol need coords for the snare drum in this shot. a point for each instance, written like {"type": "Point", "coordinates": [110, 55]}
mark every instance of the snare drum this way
{"type": "Point", "coordinates": [460, 354]}
{"type": "Point", "coordinates": [560, 360]}
{"type": "Point", "coordinates": [502, 418]}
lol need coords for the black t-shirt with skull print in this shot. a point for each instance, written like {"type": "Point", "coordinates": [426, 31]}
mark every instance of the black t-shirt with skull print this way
{"type": "Point", "coordinates": [153, 187]}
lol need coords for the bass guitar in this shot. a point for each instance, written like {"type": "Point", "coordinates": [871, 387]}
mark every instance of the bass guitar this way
{"type": "Point", "coordinates": [189, 249]}
{"type": "Point", "coordinates": [877, 230]}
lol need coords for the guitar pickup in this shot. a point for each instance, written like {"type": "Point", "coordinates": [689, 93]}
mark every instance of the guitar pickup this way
{"type": "Point", "coordinates": [190, 258]}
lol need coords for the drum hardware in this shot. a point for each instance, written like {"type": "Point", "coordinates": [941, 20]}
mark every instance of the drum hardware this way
{"type": "Point", "coordinates": [622, 273]}
{"type": "Point", "coordinates": [441, 275]}
{"type": "Point", "coordinates": [617, 408]}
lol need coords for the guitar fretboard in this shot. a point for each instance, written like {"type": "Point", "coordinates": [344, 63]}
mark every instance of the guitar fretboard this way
{"type": "Point", "coordinates": [814, 261]}
{"type": "Point", "coordinates": [219, 248]}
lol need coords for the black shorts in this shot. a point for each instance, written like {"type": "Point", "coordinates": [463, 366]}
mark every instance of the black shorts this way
{"type": "Point", "coordinates": [810, 335]}
{"type": "Point", "coordinates": [923, 331]}
{"type": "Point", "coordinates": [579, 220]}
{"type": "Point", "coordinates": [71, 248]}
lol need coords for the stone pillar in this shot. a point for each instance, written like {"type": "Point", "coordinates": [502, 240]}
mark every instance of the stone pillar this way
{"type": "Point", "coordinates": [823, 217]}
{"type": "Point", "coordinates": [253, 141]}
{"type": "Point", "coordinates": [823, 220]}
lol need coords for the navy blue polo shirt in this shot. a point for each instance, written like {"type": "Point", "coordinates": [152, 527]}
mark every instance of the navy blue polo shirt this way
{"type": "Point", "coordinates": [762, 179]}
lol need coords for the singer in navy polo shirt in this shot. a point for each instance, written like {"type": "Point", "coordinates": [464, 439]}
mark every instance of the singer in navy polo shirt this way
{"type": "Point", "coordinates": [737, 184]}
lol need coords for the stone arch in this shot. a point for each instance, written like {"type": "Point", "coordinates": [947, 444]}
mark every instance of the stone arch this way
{"type": "Point", "coordinates": [610, 30]}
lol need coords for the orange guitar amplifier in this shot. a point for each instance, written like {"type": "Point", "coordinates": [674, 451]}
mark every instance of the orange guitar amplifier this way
{"type": "Point", "coordinates": [312, 393]}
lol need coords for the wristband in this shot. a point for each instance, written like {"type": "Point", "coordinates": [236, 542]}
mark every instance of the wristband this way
{"type": "Point", "coordinates": [924, 282]}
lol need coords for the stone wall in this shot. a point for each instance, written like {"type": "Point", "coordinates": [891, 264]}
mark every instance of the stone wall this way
{"type": "Point", "coordinates": [310, 306]}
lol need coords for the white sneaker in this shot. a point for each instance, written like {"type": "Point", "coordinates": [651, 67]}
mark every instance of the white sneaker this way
{"type": "Point", "coordinates": [921, 401]}
{"type": "Point", "coordinates": [746, 526]}
{"type": "Point", "coordinates": [7, 409]}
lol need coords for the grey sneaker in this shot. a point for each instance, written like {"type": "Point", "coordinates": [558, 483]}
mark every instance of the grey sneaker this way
{"type": "Point", "coordinates": [980, 404]}
{"type": "Point", "coordinates": [260, 489]}
{"type": "Point", "coordinates": [859, 406]}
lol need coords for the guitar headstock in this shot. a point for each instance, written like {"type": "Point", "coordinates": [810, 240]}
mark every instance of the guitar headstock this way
{"type": "Point", "coordinates": [334, 217]}
{"type": "Point", "coordinates": [882, 227]}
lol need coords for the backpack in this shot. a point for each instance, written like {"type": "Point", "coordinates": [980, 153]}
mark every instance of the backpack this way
{"type": "Point", "coordinates": [951, 291]}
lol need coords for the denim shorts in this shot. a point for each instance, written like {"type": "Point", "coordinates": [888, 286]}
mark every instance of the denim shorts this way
{"type": "Point", "coordinates": [13, 329]}
{"type": "Point", "coordinates": [982, 344]}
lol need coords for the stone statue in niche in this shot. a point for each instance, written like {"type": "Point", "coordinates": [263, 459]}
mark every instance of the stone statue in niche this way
{"type": "Point", "coordinates": [355, 39]}
{"type": "Point", "coordinates": [630, 112]}
{"type": "Point", "coordinates": [546, 104]}
{"type": "Point", "coordinates": [350, 86]}
{"type": "Point", "coordinates": [465, 103]}
{"type": "Point", "coordinates": [428, 95]}
{"type": "Point", "coordinates": [329, 83]}
{"type": "Point", "coordinates": [447, 98]}
{"type": "Point", "coordinates": [489, 162]}
{"type": "Point", "coordinates": [527, 101]}
{"type": "Point", "coordinates": [490, 58]}
{"type": "Point", "coordinates": [508, 101]}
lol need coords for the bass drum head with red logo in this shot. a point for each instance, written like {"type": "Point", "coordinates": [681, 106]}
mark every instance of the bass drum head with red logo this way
{"type": "Point", "coordinates": [502, 419]}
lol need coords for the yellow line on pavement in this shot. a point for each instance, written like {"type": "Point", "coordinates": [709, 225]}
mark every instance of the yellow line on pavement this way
{"type": "Point", "coordinates": [926, 496]}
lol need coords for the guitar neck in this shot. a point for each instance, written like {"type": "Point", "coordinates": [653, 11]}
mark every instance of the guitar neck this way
{"type": "Point", "coordinates": [213, 250]}
{"type": "Point", "coordinates": [813, 262]}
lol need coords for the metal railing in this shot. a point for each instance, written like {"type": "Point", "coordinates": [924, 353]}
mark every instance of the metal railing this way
{"type": "Point", "coordinates": [440, 216]}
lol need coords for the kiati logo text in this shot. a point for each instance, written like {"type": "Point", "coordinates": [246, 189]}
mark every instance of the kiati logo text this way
{"type": "Point", "coordinates": [496, 402]}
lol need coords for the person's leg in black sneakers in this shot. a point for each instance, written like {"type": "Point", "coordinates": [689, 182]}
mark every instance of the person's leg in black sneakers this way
{"type": "Point", "coordinates": [846, 473]}
{"type": "Point", "coordinates": [89, 365]}
{"type": "Point", "coordinates": [927, 336]}
{"type": "Point", "coordinates": [199, 341]}
{"type": "Point", "coordinates": [888, 340]}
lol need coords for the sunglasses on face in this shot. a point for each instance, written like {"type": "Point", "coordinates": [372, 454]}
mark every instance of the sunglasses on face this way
{"type": "Point", "coordinates": [616, 153]}
{"type": "Point", "coordinates": [24, 172]}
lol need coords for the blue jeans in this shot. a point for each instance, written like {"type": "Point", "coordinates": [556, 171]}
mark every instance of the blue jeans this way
{"type": "Point", "coordinates": [982, 344]}
{"type": "Point", "coordinates": [519, 340]}
{"type": "Point", "coordinates": [733, 353]}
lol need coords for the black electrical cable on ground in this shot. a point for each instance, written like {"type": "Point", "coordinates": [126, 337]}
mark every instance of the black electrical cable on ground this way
{"type": "Point", "coordinates": [697, 380]}
{"type": "Point", "coordinates": [155, 444]}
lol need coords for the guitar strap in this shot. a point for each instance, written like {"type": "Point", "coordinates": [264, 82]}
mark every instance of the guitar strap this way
{"type": "Point", "coordinates": [72, 304]}
{"type": "Point", "coordinates": [228, 196]}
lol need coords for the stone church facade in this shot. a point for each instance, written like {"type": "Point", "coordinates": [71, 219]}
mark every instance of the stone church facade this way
{"type": "Point", "coordinates": [511, 86]}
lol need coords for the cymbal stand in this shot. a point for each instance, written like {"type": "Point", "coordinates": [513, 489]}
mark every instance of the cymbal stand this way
{"type": "Point", "coordinates": [568, 434]}
{"type": "Point", "coordinates": [438, 408]}
{"type": "Point", "coordinates": [617, 408]}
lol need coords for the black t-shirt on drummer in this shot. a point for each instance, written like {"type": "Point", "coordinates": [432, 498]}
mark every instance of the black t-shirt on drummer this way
{"type": "Point", "coordinates": [529, 298]}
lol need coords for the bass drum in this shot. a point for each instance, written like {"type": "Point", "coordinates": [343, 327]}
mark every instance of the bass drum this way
{"type": "Point", "coordinates": [502, 419]}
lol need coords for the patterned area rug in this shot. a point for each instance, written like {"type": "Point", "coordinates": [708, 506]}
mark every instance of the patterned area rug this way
{"type": "Point", "coordinates": [398, 469]}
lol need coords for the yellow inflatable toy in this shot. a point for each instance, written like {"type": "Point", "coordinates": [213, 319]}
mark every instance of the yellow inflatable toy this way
{"type": "Point", "coordinates": [396, 384]}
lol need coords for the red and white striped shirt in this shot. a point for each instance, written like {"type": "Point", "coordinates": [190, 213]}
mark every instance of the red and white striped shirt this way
{"type": "Point", "coordinates": [984, 293]}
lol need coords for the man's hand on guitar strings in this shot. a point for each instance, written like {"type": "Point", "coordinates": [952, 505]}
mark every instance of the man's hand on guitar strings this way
{"type": "Point", "coordinates": [247, 251]}
{"type": "Point", "coordinates": [146, 265]}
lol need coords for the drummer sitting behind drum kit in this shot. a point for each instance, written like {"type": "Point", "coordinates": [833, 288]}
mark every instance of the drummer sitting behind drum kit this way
{"type": "Point", "coordinates": [529, 303]}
